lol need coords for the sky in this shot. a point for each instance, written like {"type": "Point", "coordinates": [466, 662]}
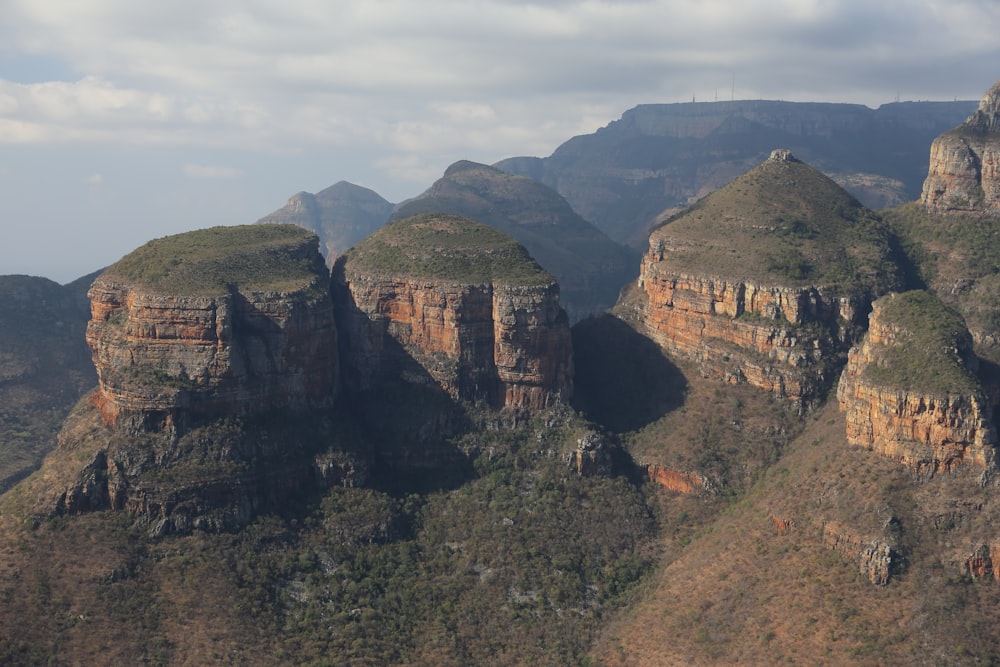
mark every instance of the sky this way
{"type": "Point", "coordinates": [127, 120]}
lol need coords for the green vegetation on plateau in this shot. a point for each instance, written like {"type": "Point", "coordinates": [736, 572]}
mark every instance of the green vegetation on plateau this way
{"type": "Point", "coordinates": [932, 345]}
{"type": "Point", "coordinates": [207, 262]}
{"type": "Point", "coordinates": [446, 247]}
{"type": "Point", "coordinates": [782, 223]}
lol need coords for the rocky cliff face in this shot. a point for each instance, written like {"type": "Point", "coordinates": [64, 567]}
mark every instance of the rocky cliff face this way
{"type": "Point", "coordinates": [165, 358]}
{"type": "Point", "coordinates": [910, 392]}
{"type": "Point", "coordinates": [964, 172]}
{"type": "Point", "coordinates": [749, 282]}
{"type": "Point", "coordinates": [501, 342]}
{"type": "Point", "coordinates": [216, 359]}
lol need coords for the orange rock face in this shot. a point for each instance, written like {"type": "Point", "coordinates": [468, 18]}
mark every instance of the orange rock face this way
{"type": "Point", "coordinates": [503, 345]}
{"type": "Point", "coordinates": [926, 433]}
{"type": "Point", "coordinates": [162, 358]}
{"type": "Point", "coordinates": [688, 483]}
{"type": "Point", "coordinates": [742, 332]}
{"type": "Point", "coordinates": [964, 171]}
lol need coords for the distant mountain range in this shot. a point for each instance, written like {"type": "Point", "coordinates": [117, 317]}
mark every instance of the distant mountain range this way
{"type": "Point", "coordinates": [659, 158]}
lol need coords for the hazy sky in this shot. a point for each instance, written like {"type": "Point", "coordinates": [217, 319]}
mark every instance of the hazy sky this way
{"type": "Point", "coordinates": [126, 120]}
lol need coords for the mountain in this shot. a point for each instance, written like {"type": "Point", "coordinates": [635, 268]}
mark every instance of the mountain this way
{"type": "Point", "coordinates": [45, 366]}
{"type": "Point", "coordinates": [659, 158]}
{"type": "Point", "coordinates": [589, 267]}
{"type": "Point", "coordinates": [766, 280]}
{"type": "Point", "coordinates": [222, 495]}
{"type": "Point", "coordinates": [964, 173]}
{"type": "Point", "coordinates": [341, 215]}
{"type": "Point", "coordinates": [778, 447]}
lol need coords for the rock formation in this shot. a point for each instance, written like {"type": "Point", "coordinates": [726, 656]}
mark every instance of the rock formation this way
{"type": "Point", "coordinates": [658, 158]}
{"type": "Point", "coordinates": [590, 268]}
{"type": "Point", "coordinates": [964, 172]}
{"type": "Point", "coordinates": [910, 390]}
{"type": "Point", "coordinates": [765, 281]}
{"type": "Point", "coordinates": [443, 300]}
{"type": "Point", "coordinates": [242, 327]}
{"type": "Point", "coordinates": [341, 215]}
{"type": "Point", "coordinates": [216, 359]}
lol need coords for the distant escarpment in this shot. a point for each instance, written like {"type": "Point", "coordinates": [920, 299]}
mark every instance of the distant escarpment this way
{"type": "Point", "coordinates": [443, 302]}
{"type": "Point", "coordinates": [910, 389]}
{"type": "Point", "coordinates": [341, 215]}
{"type": "Point", "coordinates": [964, 173]}
{"type": "Point", "coordinates": [216, 359]}
{"type": "Point", "coordinates": [659, 158]}
{"type": "Point", "coordinates": [591, 268]}
{"type": "Point", "coordinates": [767, 280]}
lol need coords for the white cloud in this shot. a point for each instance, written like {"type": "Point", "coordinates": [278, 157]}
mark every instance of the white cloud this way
{"type": "Point", "coordinates": [396, 90]}
{"type": "Point", "coordinates": [95, 179]}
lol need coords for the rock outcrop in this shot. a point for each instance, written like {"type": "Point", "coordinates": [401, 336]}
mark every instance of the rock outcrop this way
{"type": "Point", "coordinates": [590, 268]}
{"type": "Point", "coordinates": [245, 328]}
{"type": "Point", "coordinates": [874, 557]}
{"type": "Point", "coordinates": [964, 172]}
{"type": "Point", "coordinates": [765, 281]}
{"type": "Point", "coordinates": [216, 359]}
{"type": "Point", "coordinates": [910, 391]}
{"type": "Point", "coordinates": [446, 301]}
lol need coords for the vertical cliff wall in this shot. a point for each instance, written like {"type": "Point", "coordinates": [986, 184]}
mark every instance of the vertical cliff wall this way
{"type": "Point", "coordinates": [493, 332]}
{"type": "Point", "coordinates": [168, 347]}
{"type": "Point", "coordinates": [910, 390]}
{"type": "Point", "coordinates": [964, 171]}
{"type": "Point", "coordinates": [765, 281]}
{"type": "Point", "coordinates": [216, 355]}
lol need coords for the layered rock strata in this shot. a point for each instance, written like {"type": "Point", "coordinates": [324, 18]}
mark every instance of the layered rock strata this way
{"type": "Point", "coordinates": [910, 391]}
{"type": "Point", "coordinates": [163, 357]}
{"type": "Point", "coordinates": [493, 339]}
{"type": "Point", "coordinates": [964, 171]}
{"type": "Point", "coordinates": [216, 359]}
{"type": "Point", "coordinates": [750, 282]}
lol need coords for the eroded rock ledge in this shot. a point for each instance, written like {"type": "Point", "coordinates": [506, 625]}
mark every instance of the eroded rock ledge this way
{"type": "Point", "coordinates": [964, 171]}
{"type": "Point", "coordinates": [498, 338]}
{"type": "Point", "coordinates": [910, 390]}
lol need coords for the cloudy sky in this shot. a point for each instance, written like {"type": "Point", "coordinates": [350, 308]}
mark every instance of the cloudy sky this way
{"type": "Point", "coordinates": [126, 120]}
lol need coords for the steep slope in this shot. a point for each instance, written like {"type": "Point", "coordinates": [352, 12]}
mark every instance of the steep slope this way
{"type": "Point", "coordinates": [910, 389]}
{"type": "Point", "coordinates": [589, 267]}
{"type": "Point", "coordinates": [964, 173]}
{"type": "Point", "coordinates": [658, 158]}
{"type": "Point", "coordinates": [215, 352]}
{"type": "Point", "coordinates": [45, 367]}
{"type": "Point", "coordinates": [341, 215]}
{"type": "Point", "coordinates": [765, 281]}
{"type": "Point", "coordinates": [442, 299]}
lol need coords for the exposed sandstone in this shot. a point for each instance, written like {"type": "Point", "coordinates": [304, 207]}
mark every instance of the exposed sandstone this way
{"type": "Point", "coordinates": [750, 282]}
{"type": "Point", "coordinates": [216, 359]}
{"type": "Point", "coordinates": [873, 557]}
{"type": "Point", "coordinates": [164, 358]}
{"type": "Point", "coordinates": [910, 392]}
{"type": "Point", "coordinates": [500, 341]}
{"type": "Point", "coordinates": [678, 481]}
{"type": "Point", "coordinates": [964, 171]}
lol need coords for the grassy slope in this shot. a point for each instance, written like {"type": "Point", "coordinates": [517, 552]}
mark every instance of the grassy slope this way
{"type": "Point", "coordinates": [518, 565]}
{"type": "Point", "coordinates": [446, 247]}
{"type": "Point", "coordinates": [958, 257]}
{"type": "Point", "coordinates": [209, 262]}
{"type": "Point", "coordinates": [739, 591]}
{"type": "Point", "coordinates": [781, 223]}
